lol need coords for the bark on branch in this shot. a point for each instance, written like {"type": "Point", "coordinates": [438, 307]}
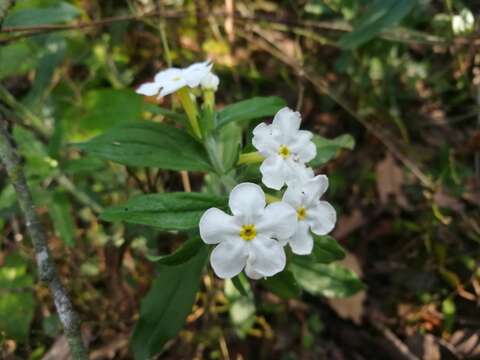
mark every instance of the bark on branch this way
{"type": "Point", "coordinates": [46, 267]}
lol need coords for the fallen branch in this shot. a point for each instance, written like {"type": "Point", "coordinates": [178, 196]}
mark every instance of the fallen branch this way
{"type": "Point", "coordinates": [46, 267]}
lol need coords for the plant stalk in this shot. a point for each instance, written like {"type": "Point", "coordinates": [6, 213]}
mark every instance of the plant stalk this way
{"type": "Point", "coordinates": [46, 267]}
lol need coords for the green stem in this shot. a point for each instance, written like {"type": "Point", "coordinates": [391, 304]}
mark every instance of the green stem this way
{"type": "Point", "coordinates": [190, 108]}
{"type": "Point", "coordinates": [271, 199]}
{"type": "Point", "coordinates": [250, 158]}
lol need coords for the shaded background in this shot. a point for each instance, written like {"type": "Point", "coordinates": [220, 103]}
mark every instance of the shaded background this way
{"type": "Point", "coordinates": [395, 75]}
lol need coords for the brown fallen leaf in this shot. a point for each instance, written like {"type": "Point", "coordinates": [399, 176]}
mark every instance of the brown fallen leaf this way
{"type": "Point", "coordinates": [351, 308]}
{"type": "Point", "coordinates": [390, 181]}
{"type": "Point", "coordinates": [348, 223]}
{"type": "Point", "coordinates": [467, 343]}
{"type": "Point", "coordinates": [59, 350]}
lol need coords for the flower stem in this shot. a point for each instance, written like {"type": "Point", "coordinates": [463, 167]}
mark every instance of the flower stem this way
{"type": "Point", "coordinates": [190, 109]}
{"type": "Point", "coordinates": [209, 98]}
{"type": "Point", "coordinates": [271, 199]}
{"type": "Point", "coordinates": [250, 158]}
{"type": "Point", "coordinates": [207, 120]}
{"type": "Point", "coordinates": [47, 270]}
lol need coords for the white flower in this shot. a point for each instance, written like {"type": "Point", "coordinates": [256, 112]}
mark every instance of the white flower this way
{"type": "Point", "coordinates": [210, 82]}
{"type": "Point", "coordinates": [171, 80]}
{"type": "Point", "coordinates": [250, 238]}
{"type": "Point", "coordinates": [463, 23]}
{"type": "Point", "coordinates": [312, 213]}
{"type": "Point", "coordinates": [285, 147]}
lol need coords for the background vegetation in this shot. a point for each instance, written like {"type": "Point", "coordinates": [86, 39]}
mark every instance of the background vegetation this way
{"type": "Point", "coordinates": [402, 78]}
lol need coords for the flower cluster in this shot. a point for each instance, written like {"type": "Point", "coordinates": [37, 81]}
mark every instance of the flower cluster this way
{"type": "Point", "coordinates": [254, 236]}
{"type": "Point", "coordinates": [173, 79]}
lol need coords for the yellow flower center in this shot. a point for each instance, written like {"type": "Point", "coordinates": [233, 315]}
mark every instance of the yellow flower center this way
{"type": "Point", "coordinates": [301, 213]}
{"type": "Point", "coordinates": [248, 232]}
{"type": "Point", "coordinates": [177, 78]}
{"type": "Point", "coordinates": [284, 151]}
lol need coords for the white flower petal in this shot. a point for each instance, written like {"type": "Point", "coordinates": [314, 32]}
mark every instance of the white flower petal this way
{"type": "Point", "coordinates": [307, 153]}
{"type": "Point", "coordinates": [168, 75]}
{"type": "Point", "coordinates": [217, 226]}
{"type": "Point", "coordinates": [293, 195]}
{"type": "Point", "coordinates": [299, 175]}
{"type": "Point", "coordinates": [302, 241]}
{"type": "Point", "coordinates": [229, 258]}
{"type": "Point", "coordinates": [252, 274]}
{"type": "Point", "coordinates": [148, 89]}
{"type": "Point", "coordinates": [273, 171]}
{"type": "Point", "coordinates": [266, 256]}
{"type": "Point", "coordinates": [279, 220]}
{"type": "Point", "coordinates": [195, 73]}
{"type": "Point", "coordinates": [247, 199]}
{"type": "Point", "coordinates": [288, 122]}
{"type": "Point", "coordinates": [171, 87]}
{"type": "Point", "coordinates": [302, 138]}
{"type": "Point", "coordinates": [314, 188]}
{"type": "Point", "coordinates": [321, 218]}
{"type": "Point", "coordinates": [210, 82]}
{"type": "Point", "coordinates": [264, 141]}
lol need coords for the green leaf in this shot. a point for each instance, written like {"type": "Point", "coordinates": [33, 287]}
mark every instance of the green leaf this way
{"type": "Point", "coordinates": [169, 114]}
{"type": "Point", "coordinates": [149, 144]}
{"type": "Point", "coordinates": [167, 304]}
{"type": "Point", "coordinates": [188, 250]}
{"type": "Point", "coordinates": [253, 108]}
{"type": "Point", "coordinates": [283, 284]}
{"type": "Point", "coordinates": [326, 249]}
{"type": "Point", "coordinates": [16, 58]}
{"type": "Point", "coordinates": [241, 284]}
{"type": "Point", "coordinates": [449, 310]}
{"type": "Point", "coordinates": [327, 280]}
{"type": "Point", "coordinates": [167, 211]}
{"type": "Point", "coordinates": [17, 303]}
{"type": "Point", "coordinates": [60, 211]}
{"type": "Point", "coordinates": [54, 14]}
{"type": "Point", "coordinates": [38, 163]}
{"type": "Point", "coordinates": [229, 144]}
{"type": "Point", "coordinates": [328, 148]}
{"type": "Point", "coordinates": [100, 110]}
{"type": "Point", "coordinates": [380, 15]}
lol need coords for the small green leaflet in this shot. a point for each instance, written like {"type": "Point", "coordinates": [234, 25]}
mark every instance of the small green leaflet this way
{"type": "Point", "coordinates": [254, 108]}
{"type": "Point", "coordinates": [328, 148]}
{"type": "Point", "coordinates": [330, 280]}
{"type": "Point", "coordinates": [188, 250]}
{"type": "Point", "coordinates": [283, 284]}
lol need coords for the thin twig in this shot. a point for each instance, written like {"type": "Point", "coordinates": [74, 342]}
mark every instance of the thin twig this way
{"type": "Point", "coordinates": [396, 34]}
{"type": "Point", "coordinates": [46, 267]}
{"type": "Point", "coordinates": [477, 153]}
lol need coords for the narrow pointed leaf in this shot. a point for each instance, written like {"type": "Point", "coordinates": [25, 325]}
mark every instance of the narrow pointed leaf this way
{"type": "Point", "coordinates": [167, 304]}
{"type": "Point", "coordinates": [167, 211]}
{"type": "Point", "coordinates": [149, 144]}
{"type": "Point", "coordinates": [254, 108]}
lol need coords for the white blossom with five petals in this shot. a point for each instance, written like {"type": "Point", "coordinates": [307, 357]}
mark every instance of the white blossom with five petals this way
{"type": "Point", "coordinates": [313, 214]}
{"type": "Point", "coordinates": [286, 148]}
{"type": "Point", "coordinates": [173, 79]}
{"type": "Point", "coordinates": [252, 237]}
